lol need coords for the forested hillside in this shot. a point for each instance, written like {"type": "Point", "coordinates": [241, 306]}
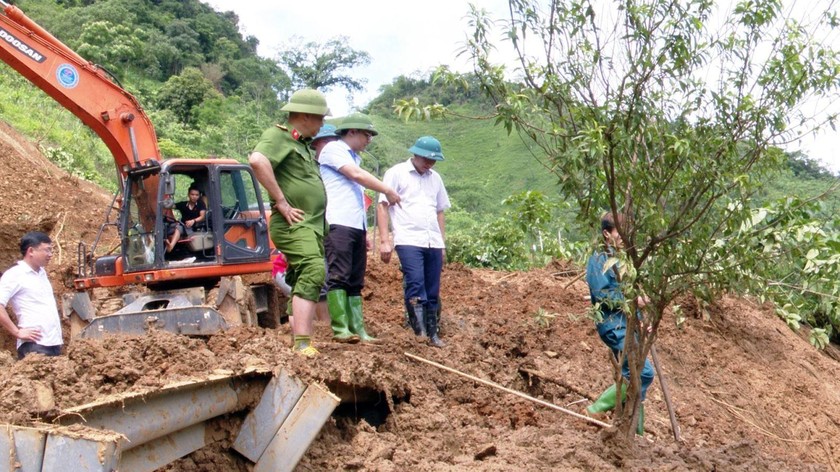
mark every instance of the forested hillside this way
{"type": "Point", "coordinates": [209, 94]}
{"type": "Point", "coordinates": [204, 87]}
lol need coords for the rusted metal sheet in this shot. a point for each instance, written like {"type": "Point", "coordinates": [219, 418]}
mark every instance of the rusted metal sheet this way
{"type": "Point", "coordinates": [155, 454]}
{"type": "Point", "coordinates": [298, 431]}
{"type": "Point", "coordinates": [280, 396]}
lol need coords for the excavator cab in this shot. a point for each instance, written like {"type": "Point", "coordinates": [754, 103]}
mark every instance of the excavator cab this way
{"type": "Point", "coordinates": [235, 229]}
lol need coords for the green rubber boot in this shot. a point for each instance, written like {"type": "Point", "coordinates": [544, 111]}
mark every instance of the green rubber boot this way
{"type": "Point", "coordinates": [357, 322]}
{"type": "Point", "coordinates": [606, 401]}
{"type": "Point", "coordinates": [339, 309]}
{"type": "Point", "coordinates": [640, 427]}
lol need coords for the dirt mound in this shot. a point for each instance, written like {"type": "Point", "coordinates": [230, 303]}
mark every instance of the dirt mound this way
{"type": "Point", "coordinates": [750, 394]}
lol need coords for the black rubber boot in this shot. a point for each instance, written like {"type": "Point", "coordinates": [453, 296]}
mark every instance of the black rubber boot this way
{"type": "Point", "coordinates": [432, 329]}
{"type": "Point", "coordinates": [418, 320]}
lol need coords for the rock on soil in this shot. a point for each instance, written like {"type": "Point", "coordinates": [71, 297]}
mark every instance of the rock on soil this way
{"type": "Point", "coordinates": [750, 394]}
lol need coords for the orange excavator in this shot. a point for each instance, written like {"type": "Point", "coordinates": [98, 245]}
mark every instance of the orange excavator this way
{"type": "Point", "coordinates": [194, 288]}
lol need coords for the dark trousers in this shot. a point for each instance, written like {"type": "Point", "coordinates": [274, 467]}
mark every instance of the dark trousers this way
{"type": "Point", "coordinates": [421, 267]}
{"type": "Point", "coordinates": [612, 331]}
{"type": "Point", "coordinates": [346, 252]}
{"type": "Point", "coordinates": [29, 347]}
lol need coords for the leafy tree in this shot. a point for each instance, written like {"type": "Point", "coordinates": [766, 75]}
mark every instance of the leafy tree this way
{"type": "Point", "coordinates": [645, 109]}
{"type": "Point", "coordinates": [112, 46]}
{"type": "Point", "coordinates": [427, 90]}
{"type": "Point", "coordinates": [804, 166]}
{"type": "Point", "coordinates": [323, 66]}
{"type": "Point", "coordinates": [185, 40]}
{"type": "Point", "coordinates": [183, 93]}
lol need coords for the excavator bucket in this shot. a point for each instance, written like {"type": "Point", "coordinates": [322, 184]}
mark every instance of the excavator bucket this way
{"type": "Point", "coordinates": [190, 311]}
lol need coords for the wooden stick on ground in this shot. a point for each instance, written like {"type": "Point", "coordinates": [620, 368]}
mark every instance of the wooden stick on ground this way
{"type": "Point", "coordinates": [665, 394]}
{"type": "Point", "coordinates": [560, 382]}
{"type": "Point", "coordinates": [513, 392]}
{"type": "Point", "coordinates": [580, 276]}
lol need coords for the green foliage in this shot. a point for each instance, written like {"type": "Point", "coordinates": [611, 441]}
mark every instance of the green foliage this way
{"type": "Point", "coordinates": [795, 264]}
{"type": "Point", "coordinates": [73, 164]}
{"type": "Point", "coordinates": [624, 109]}
{"type": "Point", "coordinates": [467, 92]}
{"type": "Point", "coordinates": [522, 237]}
{"type": "Point", "coordinates": [183, 94]}
{"type": "Point", "coordinates": [112, 46]}
{"type": "Point", "coordinates": [323, 66]}
{"type": "Point", "coordinates": [219, 107]}
{"type": "Point", "coordinates": [543, 318]}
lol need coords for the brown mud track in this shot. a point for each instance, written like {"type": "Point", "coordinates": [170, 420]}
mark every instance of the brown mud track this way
{"type": "Point", "coordinates": [750, 394]}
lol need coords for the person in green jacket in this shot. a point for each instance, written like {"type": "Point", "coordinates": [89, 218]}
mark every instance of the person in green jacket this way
{"type": "Point", "coordinates": [286, 167]}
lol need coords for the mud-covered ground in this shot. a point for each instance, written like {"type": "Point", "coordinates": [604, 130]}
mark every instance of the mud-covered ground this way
{"type": "Point", "coordinates": [749, 393]}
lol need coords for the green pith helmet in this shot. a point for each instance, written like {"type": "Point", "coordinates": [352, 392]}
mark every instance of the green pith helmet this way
{"type": "Point", "coordinates": [356, 121]}
{"type": "Point", "coordinates": [427, 147]}
{"type": "Point", "coordinates": [307, 101]}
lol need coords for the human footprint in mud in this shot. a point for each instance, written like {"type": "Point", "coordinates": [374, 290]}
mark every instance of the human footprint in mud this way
{"type": "Point", "coordinates": [26, 289]}
{"type": "Point", "coordinates": [604, 289]}
{"type": "Point", "coordinates": [418, 233]}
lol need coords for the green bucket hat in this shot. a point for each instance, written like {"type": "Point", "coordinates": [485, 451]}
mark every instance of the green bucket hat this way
{"type": "Point", "coordinates": [356, 121]}
{"type": "Point", "coordinates": [427, 147]}
{"type": "Point", "coordinates": [308, 101]}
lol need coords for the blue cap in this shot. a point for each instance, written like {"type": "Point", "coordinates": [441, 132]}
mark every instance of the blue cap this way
{"type": "Point", "coordinates": [427, 147]}
{"type": "Point", "coordinates": [326, 131]}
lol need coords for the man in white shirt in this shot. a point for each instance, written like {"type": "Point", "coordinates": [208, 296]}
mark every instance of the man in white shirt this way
{"type": "Point", "coordinates": [418, 233]}
{"type": "Point", "coordinates": [346, 244]}
{"type": "Point", "coordinates": [26, 289]}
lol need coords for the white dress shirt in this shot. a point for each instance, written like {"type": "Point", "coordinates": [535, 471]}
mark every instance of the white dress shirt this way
{"type": "Point", "coordinates": [422, 197]}
{"type": "Point", "coordinates": [29, 294]}
{"type": "Point", "coordinates": [345, 197]}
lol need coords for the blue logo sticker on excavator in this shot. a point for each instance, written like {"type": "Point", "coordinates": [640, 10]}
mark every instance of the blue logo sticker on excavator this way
{"type": "Point", "coordinates": [67, 76]}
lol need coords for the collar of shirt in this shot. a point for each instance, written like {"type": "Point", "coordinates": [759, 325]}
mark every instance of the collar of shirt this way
{"type": "Point", "coordinates": [29, 268]}
{"type": "Point", "coordinates": [339, 146]}
{"type": "Point", "coordinates": [413, 169]}
{"type": "Point", "coordinates": [299, 137]}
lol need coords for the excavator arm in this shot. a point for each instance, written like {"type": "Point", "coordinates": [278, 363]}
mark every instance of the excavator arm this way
{"type": "Point", "coordinates": [81, 87]}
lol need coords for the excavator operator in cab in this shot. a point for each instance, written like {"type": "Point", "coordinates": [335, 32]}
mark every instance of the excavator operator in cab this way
{"type": "Point", "coordinates": [193, 211]}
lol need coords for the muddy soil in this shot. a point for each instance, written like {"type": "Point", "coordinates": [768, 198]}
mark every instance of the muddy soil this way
{"type": "Point", "coordinates": [750, 394]}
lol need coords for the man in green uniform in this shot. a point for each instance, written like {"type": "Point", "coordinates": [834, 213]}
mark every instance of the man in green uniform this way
{"type": "Point", "coordinates": [287, 169]}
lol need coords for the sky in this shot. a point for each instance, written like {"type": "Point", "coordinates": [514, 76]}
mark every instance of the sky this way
{"type": "Point", "coordinates": [403, 38]}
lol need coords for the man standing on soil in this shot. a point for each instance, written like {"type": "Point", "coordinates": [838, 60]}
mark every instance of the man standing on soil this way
{"type": "Point", "coordinates": [605, 291]}
{"type": "Point", "coordinates": [346, 244]}
{"type": "Point", "coordinates": [285, 166]}
{"type": "Point", "coordinates": [418, 233]}
{"type": "Point", "coordinates": [325, 136]}
{"type": "Point", "coordinates": [26, 289]}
